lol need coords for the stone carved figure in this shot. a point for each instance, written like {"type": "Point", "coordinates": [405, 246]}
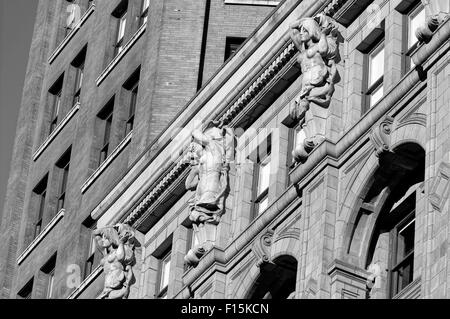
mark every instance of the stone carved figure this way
{"type": "Point", "coordinates": [317, 41]}
{"type": "Point", "coordinates": [211, 154]}
{"type": "Point", "coordinates": [436, 12]}
{"type": "Point", "coordinates": [117, 246]}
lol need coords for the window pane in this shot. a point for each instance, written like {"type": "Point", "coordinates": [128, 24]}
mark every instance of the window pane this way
{"type": "Point", "coordinates": [416, 19]}
{"type": "Point", "coordinates": [405, 241]}
{"type": "Point", "coordinates": [376, 65]}
{"type": "Point", "coordinates": [264, 175]}
{"type": "Point", "coordinates": [262, 206]}
{"type": "Point", "coordinates": [165, 271]}
{"type": "Point", "coordinates": [51, 280]}
{"type": "Point", "coordinates": [122, 24]}
{"type": "Point", "coordinates": [376, 95]}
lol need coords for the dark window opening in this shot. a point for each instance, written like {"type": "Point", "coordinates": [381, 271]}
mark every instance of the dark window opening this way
{"type": "Point", "coordinates": [56, 100]}
{"type": "Point", "coordinates": [106, 116]}
{"type": "Point", "coordinates": [26, 291]}
{"type": "Point", "coordinates": [232, 45]}
{"type": "Point", "coordinates": [63, 165]}
{"type": "Point", "coordinates": [40, 193]}
{"type": "Point", "coordinates": [78, 64]}
{"type": "Point", "coordinates": [120, 14]}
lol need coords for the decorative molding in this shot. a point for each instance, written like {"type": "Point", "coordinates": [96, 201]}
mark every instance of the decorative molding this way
{"type": "Point", "coordinates": [380, 135]}
{"type": "Point", "coordinates": [289, 231]}
{"type": "Point", "coordinates": [412, 291]}
{"type": "Point", "coordinates": [253, 2]}
{"type": "Point", "coordinates": [41, 236]}
{"type": "Point", "coordinates": [58, 129]}
{"type": "Point", "coordinates": [440, 188]}
{"type": "Point", "coordinates": [106, 163]}
{"type": "Point", "coordinates": [72, 33]}
{"type": "Point", "coordinates": [261, 247]}
{"type": "Point", "coordinates": [245, 98]}
{"type": "Point", "coordinates": [86, 282]}
{"type": "Point", "coordinates": [119, 56]}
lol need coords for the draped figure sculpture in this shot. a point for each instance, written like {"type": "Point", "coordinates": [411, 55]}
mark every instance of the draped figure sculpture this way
{"type": "Point", "coordinates": [211, 153]}
{"type": "Point", "coordinates": [317, 41]}
{"type": "Point", "coordinates": [117, 246]}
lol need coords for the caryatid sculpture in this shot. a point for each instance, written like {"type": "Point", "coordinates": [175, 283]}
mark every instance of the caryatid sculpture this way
{"type": "Point", "coordinates": [211, 154]}
{"type": "Point", "coordinates": [317, 41]}
{"type": "Point", "coordinates": [117, 244]}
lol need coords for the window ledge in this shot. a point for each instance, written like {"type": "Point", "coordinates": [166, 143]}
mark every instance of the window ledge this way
{"type": "Point", "coordinates": [412, 291]}
{"type": "Point", "coordinates": [119, 56]}
{"type": "Point", "coordinates": [41, 236]}
{"type": "Point", "coordinates": [253, 2]}
{"type": "Point", "coordinates": [89, 279]}
{"type": "Point", "coordinates": [58, 129]}
{"type": "Point", "coordinates": [72, 33]}
{"type": "Point", "coordinates": [106, 163]}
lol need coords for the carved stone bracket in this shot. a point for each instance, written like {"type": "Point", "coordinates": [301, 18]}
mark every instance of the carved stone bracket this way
{"type": "Point", "coordinates": [380, 136]}
{"type": "Point", "coordinates": [440, 188]}
{"type": "Point", "coordinates": [261, 248]}
{"type": "Point", "coordinates": [437, 11]}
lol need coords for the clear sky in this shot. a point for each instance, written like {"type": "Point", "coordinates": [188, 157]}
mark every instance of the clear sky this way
{"type": "Point", "coordinates": [16, 29]}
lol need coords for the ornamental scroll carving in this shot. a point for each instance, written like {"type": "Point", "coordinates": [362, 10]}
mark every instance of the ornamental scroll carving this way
{"type": "Point", "coordinates": [317, 41]}
{"type": "Point", "coordinates": [117, 244]}
{"type": "Point", "coordinates": [380, 135]}
{"type": "Point", "coordinates": [211, 153]}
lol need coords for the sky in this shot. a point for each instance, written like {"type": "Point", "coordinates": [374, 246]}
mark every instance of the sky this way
{"type": "Point", "coordinates": [16, 29]}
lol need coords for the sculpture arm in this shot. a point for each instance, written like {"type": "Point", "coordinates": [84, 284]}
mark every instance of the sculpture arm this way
{"type": "Point", "coordinates": [120, 252]}
{"type": "Point", "coordinates": [129, 275]}
{"type": "Point", "coordinates": [323, 45]}
{"type": "Point", "coordinates": [191, 183]}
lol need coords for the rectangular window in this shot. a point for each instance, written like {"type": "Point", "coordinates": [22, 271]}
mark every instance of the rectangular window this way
{"type": "Point", "coordinates": [374, 74]}
{"type": "Point", "coordinates": [78, 64]}
{"type": "Point", "coordinates": [132, 88]}
{"type": "Point", "coordinates": [63, 166]}
{"type": "Point", "coordinates": [414, 19]}
{"type": "Point", "coordinates": [262, 179]}
{"type": "Point", "coordinates": [91, 261]}
{"type": "Point", "coordinates": [106, 117]}
{"type": "Point", "coordinates": [55, 101]}
{"type": "Point", "coordinates": [40, 194]}
{"type": "Point", "coordinates": [403, 255]}
{"type": "Point", "coordinates": [26, 291]}
{"type": "Point", "coordinates": [164, 273]}
{"type": "Point", "coordinates": [48, 270]}
{"type": "Point", "coordinates": [232, 44]}
{"type": "Point", "coordinates": [144, 12]}
{"type": "Point", "coordinates": [120, 14]}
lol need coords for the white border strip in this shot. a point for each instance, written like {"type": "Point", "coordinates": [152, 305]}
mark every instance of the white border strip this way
{"type": "Point", "coordinates": [72, 33]}
{"type": "Point", "coordinates": [41, 236]}
{"type": "Point", "coordinates": [253, 2]}
{"type": "Point", "coordinates": [89, 279]}
{"type": "Point", "coordinates": [106, 163]}
{"type": "Point", "coordinates": [58, 129]}
{"type": "Point", "coordinates": [118, 57]}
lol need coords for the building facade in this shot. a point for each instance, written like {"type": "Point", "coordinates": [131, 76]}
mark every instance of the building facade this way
{"type": "Point", "coordinates": [253, 149]}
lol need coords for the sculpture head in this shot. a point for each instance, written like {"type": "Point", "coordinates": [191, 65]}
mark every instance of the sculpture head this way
{"type": "Point", "coordinates": [309, 30]}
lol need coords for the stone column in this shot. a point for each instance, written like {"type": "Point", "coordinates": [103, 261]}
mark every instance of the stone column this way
{"type": "Point", "coordinates": [347, 281]}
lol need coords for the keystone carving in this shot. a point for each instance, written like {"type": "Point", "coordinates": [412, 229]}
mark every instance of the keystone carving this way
{"type": "Point", "coordinates": [211, 153]}
{"type": "Point", "coordinates": [317, 41]}
{"type": "Point", "coordinates": [380, 135]}
{"type": "Point", "coordinates": [261, 248]}
{"type": "Point", "coordinates": [117, 244]}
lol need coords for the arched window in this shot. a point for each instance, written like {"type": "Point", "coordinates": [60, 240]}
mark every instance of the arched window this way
{"type": "Point", "coordinates": [277, 280]}
{"type": "Point", "coordinates": [393, 198]}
